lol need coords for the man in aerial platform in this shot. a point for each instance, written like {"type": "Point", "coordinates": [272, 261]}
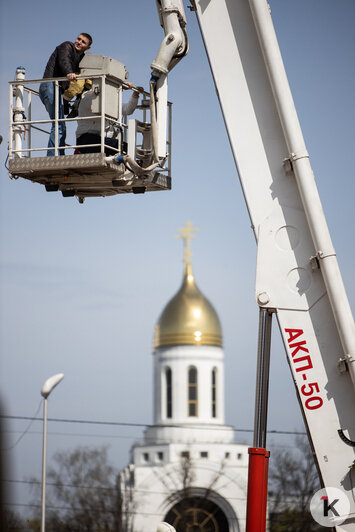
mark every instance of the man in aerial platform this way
{"type": "Point", "coordinates": [64, 62]}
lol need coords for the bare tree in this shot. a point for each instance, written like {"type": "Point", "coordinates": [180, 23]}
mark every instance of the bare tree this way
{"type": "Point", "coordinates": [82, 492]}
{"type": "Point", "coordinates": [11, 521]}
{"type": "Point", "coordinates": [191, 506]}
{"type": "Point", "coordinates": [186, 473]}
{"type": "Point", "coordinates": [293, 479]}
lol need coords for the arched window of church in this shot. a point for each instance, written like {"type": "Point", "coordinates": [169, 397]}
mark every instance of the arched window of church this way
{"type": "Point", "coordinates": [169, 393]}
{"type": "Point", "coordinates": [214, 392]}
{"type": "Point", "coordinates": [192, 402]}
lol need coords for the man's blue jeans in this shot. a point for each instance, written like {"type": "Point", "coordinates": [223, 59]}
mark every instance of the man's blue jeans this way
{"type": "Point", "coordinates": [47, 95]}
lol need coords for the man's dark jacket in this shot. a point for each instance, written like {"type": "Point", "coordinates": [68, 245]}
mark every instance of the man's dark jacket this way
{"type": "Point", "coordinates": [64, 60]}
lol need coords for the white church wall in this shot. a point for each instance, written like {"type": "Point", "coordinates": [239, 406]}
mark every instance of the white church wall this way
{"type": "Point", "coordinates": [233, 455]}
{"type": "Point", "coordinates": [179, 359]}
{"type": "Point", "coordinates": [157, 489]}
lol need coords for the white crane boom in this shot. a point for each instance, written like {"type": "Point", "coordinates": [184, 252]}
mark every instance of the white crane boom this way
{"type": "Point", "coordinates": [297, 276]}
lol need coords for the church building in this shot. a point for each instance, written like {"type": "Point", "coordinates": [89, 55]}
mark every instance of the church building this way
{"type": "Point", "coordinates": [188, 471]}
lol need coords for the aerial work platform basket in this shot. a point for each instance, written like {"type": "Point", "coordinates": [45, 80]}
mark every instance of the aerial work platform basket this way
{"type": "Point", "coordinates": [138, 160]}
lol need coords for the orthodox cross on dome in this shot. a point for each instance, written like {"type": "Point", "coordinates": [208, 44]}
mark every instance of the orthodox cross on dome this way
{"type": "Point", "coordinates": [186, 235]}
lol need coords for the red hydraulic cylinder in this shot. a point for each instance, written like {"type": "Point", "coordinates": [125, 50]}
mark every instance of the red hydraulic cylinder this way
{"type": "Point", "coordinates": [257, 489]}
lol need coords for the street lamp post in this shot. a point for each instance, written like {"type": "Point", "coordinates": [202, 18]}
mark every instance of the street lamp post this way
{"type": "Point", "coordinates": [46, 390]}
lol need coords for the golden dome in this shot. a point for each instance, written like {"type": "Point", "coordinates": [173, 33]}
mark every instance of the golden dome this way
{"type": "Point", "coordinates": [188, 318]}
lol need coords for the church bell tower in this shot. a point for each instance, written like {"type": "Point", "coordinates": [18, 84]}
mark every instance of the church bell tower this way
{"type": "Point", "coordinates": [188, 364]}
{"type": "Point", "coordinates": [188, 471]}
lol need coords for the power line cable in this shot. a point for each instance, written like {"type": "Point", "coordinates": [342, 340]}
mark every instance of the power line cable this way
{"type": "Point", "coordinates": [77, 434]}
{"type": "Point", "coordinates": [98, 488]}
{"type": "Point", "coordinates": [145, 425]}
{"type": "Point", "coordinates": [87, 421]}
{"type": "Point", "coordinates": [26, 430]}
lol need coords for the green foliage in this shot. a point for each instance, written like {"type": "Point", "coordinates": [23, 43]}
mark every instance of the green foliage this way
{"type": "Point", "coordinates": [34, 524]}
{"type": "Point", "coordinates": [291, 520]}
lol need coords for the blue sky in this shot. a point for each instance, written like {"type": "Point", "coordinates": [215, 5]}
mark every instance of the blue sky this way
{"type": "Point", "coordinates": [82, 286]}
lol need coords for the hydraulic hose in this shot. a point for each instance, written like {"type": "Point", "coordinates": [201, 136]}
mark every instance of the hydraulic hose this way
{"type": "Point", "coordinates": [132, 166]}
{"type": "Point", "coordinates": [153, 120]}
